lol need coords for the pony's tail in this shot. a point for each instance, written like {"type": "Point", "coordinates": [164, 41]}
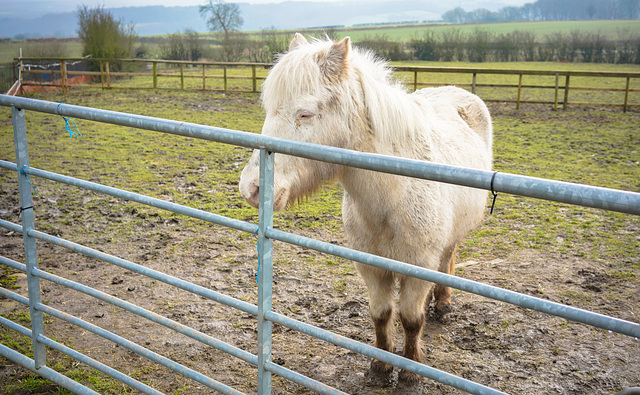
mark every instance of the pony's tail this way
{"type": "Point", "coordinates": [476, 114]}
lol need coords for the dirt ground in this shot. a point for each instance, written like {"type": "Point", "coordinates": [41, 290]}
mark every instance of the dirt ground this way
{"type": "Point", "coordinates": [499, 345]}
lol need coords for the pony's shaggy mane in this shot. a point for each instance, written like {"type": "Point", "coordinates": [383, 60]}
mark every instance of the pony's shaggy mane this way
{"type": "Point", "coordinates": [367, 83]}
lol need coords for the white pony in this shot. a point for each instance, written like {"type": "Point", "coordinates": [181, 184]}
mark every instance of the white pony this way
{"type": "Point", "coordinates": [328, 93]}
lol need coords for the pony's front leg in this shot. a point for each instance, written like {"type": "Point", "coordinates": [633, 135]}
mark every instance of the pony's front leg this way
{"type": "Point", "coordinates": [380, 285]}
{"type": "Point", "coordinates": [412, 301]}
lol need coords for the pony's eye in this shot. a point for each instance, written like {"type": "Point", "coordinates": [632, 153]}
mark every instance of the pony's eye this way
{"type": "Point", "coordinates": [304, 116]}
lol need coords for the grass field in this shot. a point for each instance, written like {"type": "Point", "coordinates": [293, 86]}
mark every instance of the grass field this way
{"type": "Point", "coordinates": [404, 33]}
{"type": "Point", "coordinates": [10, 50]}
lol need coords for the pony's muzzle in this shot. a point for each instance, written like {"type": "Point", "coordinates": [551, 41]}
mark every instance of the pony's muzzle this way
{"type": "Point", "coordinates": [251, 193]}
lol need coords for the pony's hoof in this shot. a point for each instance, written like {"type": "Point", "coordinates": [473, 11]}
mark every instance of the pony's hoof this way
{"type": "Point", "coordinates": [409, 384]}
{"type": "Point", "coordinates": [379, 375]}
{"type": "Point", "coordinates": [441, 311]}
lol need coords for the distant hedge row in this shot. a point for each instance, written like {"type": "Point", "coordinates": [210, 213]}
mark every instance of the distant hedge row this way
{"type": "Point", "coordinates": [482, 45]}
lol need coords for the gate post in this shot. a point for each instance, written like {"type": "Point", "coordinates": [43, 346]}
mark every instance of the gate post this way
{"type": "Point", "coordinates": [31, 256]}
{"type": "Point", "coordinates": [265, 269]}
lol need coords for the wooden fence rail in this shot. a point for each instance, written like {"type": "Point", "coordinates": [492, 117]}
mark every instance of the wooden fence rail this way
{"type": "Point", "coordinates": [414, 77]}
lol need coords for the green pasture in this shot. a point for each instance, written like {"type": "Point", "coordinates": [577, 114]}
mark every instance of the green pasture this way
{"type": "Point", "coordinates": [404, 33]}
{"type": "Point", "coordinates": [11, 49]}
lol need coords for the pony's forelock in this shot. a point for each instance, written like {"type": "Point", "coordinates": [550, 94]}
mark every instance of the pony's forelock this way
{"type": "Point", "coordinates": [295, 74]}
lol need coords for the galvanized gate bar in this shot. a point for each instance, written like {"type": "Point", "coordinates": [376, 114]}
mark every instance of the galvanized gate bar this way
{"type": "Point", "coordinates": [16, 327]}
{"type": "Point", "coordinates": [157, 318]}
{"type": "Point", "coordinates": [45, 372]}
{"type": "Point", "coordinates": [123, 378]}
{"type": "Point", "coordinates": [13, 264]}
{"type": "Point", "coordinates": [559, 191]}
{"type": "Point", "coordinates": [138, 198]}
{"type": "Point", "coordinates": [182, 284]}
{"type": "Point", "coordinates": [11, 226]}
{"type": "Point", "coordinates": [133, 383]}
{"type": "Point", "coordinates": [14, 296]}
{"type": "Point", "coordinates": [165, 278]}
{"type": "Point", "coordinates": [119, 340]}
{"type": "Point", "coordinates": [30, 253]}
{"type": "Point", "coordinates": [545, 306]}
{"type": "Point", "coordinates": [564, 192]}
{"type": "Point", "coordinates": [131, 346]}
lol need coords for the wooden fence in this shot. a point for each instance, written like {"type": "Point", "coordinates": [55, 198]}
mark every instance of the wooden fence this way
{"type": "Point", "coordinates": [616, 89]}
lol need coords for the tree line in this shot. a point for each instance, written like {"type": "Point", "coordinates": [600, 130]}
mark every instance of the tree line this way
{"type": "Point", "coordinates": [104, 37]}
{"type": "Point", "coordinates": [550, 10]}
{"type": "Point", "coordinates": [478, 45]}
{"type": "Point", "coordinates": [482, 45]}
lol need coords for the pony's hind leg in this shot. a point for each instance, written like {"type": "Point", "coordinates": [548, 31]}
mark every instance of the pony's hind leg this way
{"type": "Point", "coordinates": [441, 293]}
{"type": "Point", "coordinates": [412, 303]}
{"type": "Point", "coordinates": [380, 284]}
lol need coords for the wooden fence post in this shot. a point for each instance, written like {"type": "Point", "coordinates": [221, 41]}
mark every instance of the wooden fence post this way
{"type": "Point", "coordinates": [63, 76]}
{"type": "Point", "coordinates": [473, 84]}
{"type": "Point", "coordinates": [204, 78]}
{"type": "Point", "coordinates": [102, 74]}
{"type": "Point", "coordinates": [108, 72]}
{"type": "Point", "coordinates": [626, 95]}
{"type": "Point", "coordinates": [415, 80]}
{"type": "Point", "coordinates": [566, 93]}
{"type": "Point", "coordinates": [253, 76]}
{"type": "Point", "coordinates": [155, 75]}
{"type": "Point", "coordinates": [181, 76]}
{"type": "Point", "coordinates": [225, 78]}
{"type": "Point", "coordinates": [555, 101]}
{"type": "Point", "coordinates": [519, 92]}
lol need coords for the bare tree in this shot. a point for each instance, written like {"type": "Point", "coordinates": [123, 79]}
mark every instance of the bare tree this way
{"type": "Point", "coordinates": [103, 36]}
{"type": "Point", "coordinates": [222, 16]}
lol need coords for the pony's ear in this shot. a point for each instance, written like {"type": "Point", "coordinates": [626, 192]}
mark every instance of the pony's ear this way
{"type": "Point", "coordinates": [298, 40]}
{"type": "Point", "coordinates": [336, 61]}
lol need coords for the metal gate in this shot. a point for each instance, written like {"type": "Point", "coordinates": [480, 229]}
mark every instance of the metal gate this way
{"type": "Point", "coordinates": [614, 200]}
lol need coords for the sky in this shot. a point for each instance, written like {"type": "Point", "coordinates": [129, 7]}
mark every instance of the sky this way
{"type": "Point", "coordinates": [22, 9]}
{"type": "Point", "coordinates": [70, 5]}
{"type": "Point", "coordinates": [134, 3]}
